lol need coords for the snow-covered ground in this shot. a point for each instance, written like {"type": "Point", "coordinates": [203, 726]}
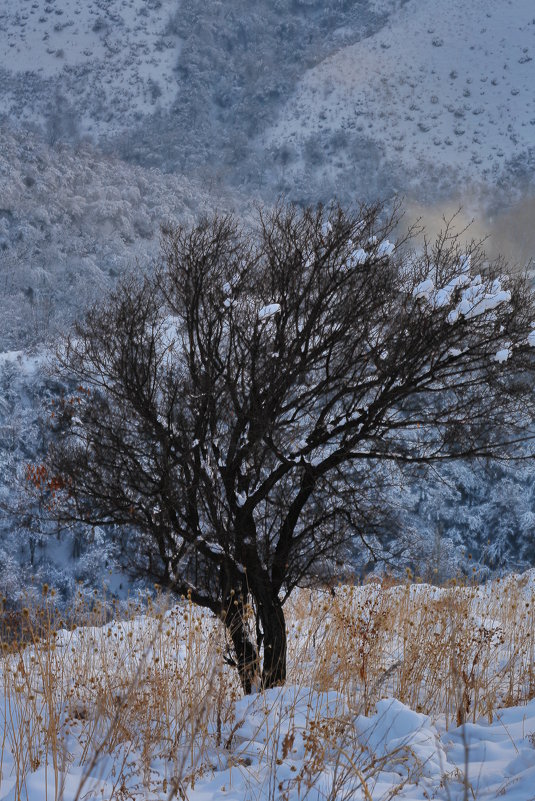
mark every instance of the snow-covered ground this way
{"type": "Point", "coordinates": [277, 754]}
{"type": "Point", "coordinates": [447, 87]}
{"type": "Point", "coordinates": [146, 709]}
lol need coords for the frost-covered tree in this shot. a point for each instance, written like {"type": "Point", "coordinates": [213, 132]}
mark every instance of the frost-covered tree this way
{"type": "Point", "coordinates": [245, 409]}
{"type": "Point", "coordinates": [33, 550]}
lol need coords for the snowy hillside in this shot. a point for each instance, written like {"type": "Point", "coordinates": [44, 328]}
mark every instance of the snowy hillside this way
{"type": "Point", "coordinates": [315, 99]}
{"type": "Point", "coordinates": [86, 68]}
{"type": "Point", "coordinates": [444, 92]}
{"type": "Point", "coordinates": [71, 221]}
{"type": "Point", "coordinates": [184, 86]}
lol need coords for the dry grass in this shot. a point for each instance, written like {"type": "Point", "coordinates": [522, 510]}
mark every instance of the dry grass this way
{"type": "Point", "coordinates": [156, 687]}
{"type": "Point", "coordinates": [462, 650]}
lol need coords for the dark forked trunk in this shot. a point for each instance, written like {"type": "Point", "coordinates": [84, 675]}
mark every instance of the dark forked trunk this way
{"type": "Point", "coordinates": [246, 655]}
{"type": "Point", "coordinates": [274, 639]}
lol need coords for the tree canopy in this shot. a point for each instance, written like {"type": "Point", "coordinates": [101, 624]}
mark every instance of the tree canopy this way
{"type": "Point", "coordinates": [243, 408]}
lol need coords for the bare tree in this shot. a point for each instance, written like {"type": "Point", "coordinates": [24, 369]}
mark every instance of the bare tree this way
{"type": "Point", "coordinates": [242, 408]}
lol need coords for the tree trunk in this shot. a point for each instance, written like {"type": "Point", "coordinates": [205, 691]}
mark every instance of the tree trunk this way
{"type": "Point", "coordinates": [274, 627]}
{"type": "Point", "coordinates": [246, 655]}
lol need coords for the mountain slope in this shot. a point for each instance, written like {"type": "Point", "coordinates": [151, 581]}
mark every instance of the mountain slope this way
{"type": "Point", "coordinates": [71, 221]}
{"type": "Point", "coordinates": [313, 99]}
{"type": "Point", "coordinates": [443, 93]}
{"type": "Point", "coordinates": [79, 68]}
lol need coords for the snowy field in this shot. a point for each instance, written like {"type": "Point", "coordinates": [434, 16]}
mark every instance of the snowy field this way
{"type": "Point", "coordinates": [408, 692]}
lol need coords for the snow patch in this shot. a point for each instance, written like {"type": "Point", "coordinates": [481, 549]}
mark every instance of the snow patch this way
{"type": "Point", "coordinates": [269, 311]}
